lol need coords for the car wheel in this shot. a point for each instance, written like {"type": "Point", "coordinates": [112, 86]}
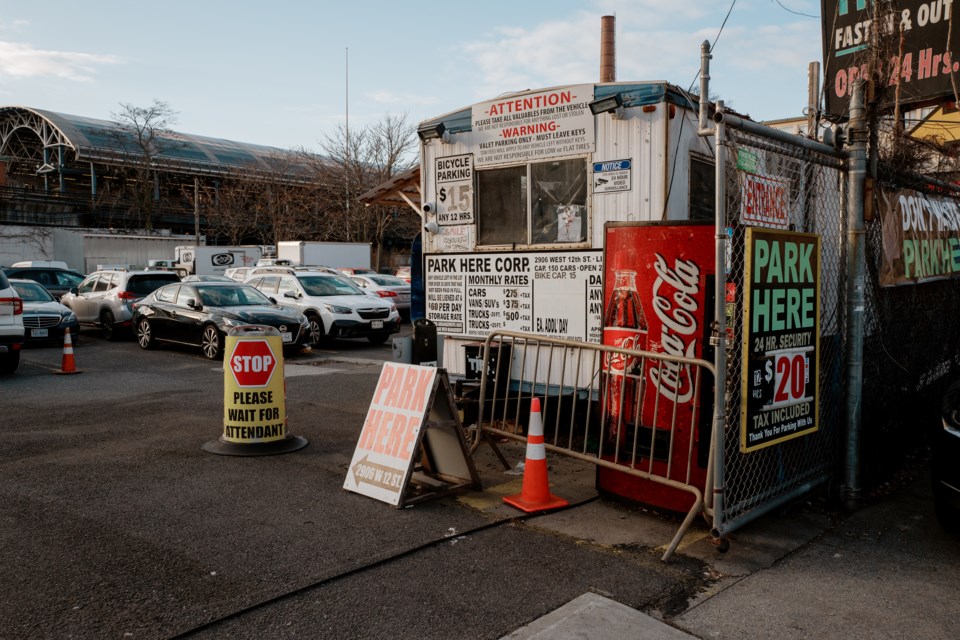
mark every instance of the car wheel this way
{"type": "Point", "coordinates": [211, 343]}
{"type": "Point", "coordinates": [378, 338]}
{"type": "Point", "coordinates": [317, 333]}
{"type": "Point", "coordinates": [9, 362]}
{"type": "Point", "coordinates": [106, 326]}
{"type": "Point", "coordinates": [145, 334]}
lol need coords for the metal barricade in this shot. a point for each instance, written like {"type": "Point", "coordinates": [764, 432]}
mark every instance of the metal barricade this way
{"type": "Point", "coordinates": [579, 401]}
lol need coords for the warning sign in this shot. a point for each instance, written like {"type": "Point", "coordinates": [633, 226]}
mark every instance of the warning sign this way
{"type": "Point", "coordinates": [410, 423]}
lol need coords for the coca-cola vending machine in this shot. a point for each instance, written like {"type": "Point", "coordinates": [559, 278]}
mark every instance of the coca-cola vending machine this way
{"type": "Point", "coordinates": [659, 281]}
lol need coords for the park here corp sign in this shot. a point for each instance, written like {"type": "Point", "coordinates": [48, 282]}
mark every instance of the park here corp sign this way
{"type": "Point", "coordinates": [531, 126]}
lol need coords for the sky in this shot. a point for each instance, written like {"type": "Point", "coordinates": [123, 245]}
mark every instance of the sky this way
{"type": "Point", "coordinates": [287, 73]}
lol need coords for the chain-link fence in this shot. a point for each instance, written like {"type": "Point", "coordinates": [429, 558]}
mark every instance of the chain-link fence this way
{"type": "Point", "coordinates": [911, 350]}
{"type": "Point", "coordinates": [771, 184]}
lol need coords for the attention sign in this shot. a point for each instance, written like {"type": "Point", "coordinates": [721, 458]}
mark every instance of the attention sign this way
{"type": "Point", "coordinates": [781, 337]}
{"type": "Point", "coordinates": [532, 126]}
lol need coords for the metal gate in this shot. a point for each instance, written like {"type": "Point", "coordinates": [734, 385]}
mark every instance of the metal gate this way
{"type": "Point", "coordinates": [578, 398]}
{"type": "Point", "coordinates": [810, 182]}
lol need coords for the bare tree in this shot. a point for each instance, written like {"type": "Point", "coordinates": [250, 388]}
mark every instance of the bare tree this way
{"type": "Point", "coordinates": [358, 162]}
{"type": "Point", "coordinates": [145, 135]}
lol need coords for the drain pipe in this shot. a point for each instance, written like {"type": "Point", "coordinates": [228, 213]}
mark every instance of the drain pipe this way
{"type": "Point", "coordinates": [857, 136]}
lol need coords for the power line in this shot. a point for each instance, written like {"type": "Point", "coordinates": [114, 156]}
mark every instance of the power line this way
{"type": "Point", "coordinates": [799, 13]}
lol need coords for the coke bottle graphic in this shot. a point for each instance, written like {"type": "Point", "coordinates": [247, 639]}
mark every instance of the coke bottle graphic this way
{"type": "Point", "coordinates": [624, 326]}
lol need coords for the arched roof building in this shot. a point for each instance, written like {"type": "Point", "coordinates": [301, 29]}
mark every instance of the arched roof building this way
{"type": "Point", "coordinates": [56, 167]}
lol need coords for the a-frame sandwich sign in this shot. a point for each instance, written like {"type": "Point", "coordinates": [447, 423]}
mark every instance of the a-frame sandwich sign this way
{"type": "Point", "coordinates": [412, 446]}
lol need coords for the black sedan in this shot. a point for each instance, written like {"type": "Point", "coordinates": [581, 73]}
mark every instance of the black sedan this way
{"type": "Point", "coordinates": [946, 452]}
{"type": "Point", "coordinates": [201, 313]}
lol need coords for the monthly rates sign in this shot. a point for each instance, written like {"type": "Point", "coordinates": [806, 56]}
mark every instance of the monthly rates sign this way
{"type": "Point", "coordinates": [781, 319]}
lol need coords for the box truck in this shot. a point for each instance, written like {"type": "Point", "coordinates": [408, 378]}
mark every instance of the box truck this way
{"type": "Point", "coordinates": [193, 260]}
{"type": "Point", "coordinates": [327, 254]}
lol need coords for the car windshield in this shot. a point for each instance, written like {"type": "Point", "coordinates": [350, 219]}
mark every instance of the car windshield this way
{"type": "Point", "coordinates": [143, 285]}
{"type": "Point", "coordinates": [220, 296]}
{"type": "Point", "coordinates": [329, 286]}
{"type": "Point", "coordinates": [32, 292]}
{"type": "Point", "coordinates": [388, 281]}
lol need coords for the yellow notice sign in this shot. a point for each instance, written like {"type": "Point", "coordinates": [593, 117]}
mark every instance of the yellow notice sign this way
{"type": "Point", "coordinates": [254, 402]}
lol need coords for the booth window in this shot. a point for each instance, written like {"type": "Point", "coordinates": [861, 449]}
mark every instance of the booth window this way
{"type": "Point", "coordinates": [536, 203]}
{"type": "Point", "coordinates": [702, 183]}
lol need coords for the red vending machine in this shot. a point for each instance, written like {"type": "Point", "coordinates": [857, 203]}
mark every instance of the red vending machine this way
{"type": "Point", "coordinates": [659, 292]}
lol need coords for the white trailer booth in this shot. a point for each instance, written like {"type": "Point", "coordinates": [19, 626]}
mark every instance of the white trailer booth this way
{"type": "Point", "coordinates": [516, 192]}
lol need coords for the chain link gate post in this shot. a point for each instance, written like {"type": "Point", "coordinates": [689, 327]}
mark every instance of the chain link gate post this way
{"type": "Point", "coordinates": [857, 136]}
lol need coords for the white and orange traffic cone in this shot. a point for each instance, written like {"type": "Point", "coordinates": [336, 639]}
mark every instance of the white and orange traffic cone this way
{"type": "Point", "coordinates": [535, 494]}
{"type": "Point", "coordinates": [68, 365]}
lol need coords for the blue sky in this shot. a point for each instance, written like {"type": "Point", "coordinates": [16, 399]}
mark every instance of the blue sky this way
{"type": "Point", "coordinates": [274, 73]}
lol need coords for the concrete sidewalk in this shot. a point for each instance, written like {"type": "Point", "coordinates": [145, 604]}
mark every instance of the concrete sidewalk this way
{"type": "Point", "coordinates": [886, 571]}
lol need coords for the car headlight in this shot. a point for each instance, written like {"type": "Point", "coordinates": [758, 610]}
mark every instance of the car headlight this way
{"type": "Point", "coordinates": [302, 319]}
{"type": "Point", "coordinates": [335, 308]}
{"type": "Point", "coordinates": [232, 322]}
{"type": "Point", "coordinates": [68, 318]}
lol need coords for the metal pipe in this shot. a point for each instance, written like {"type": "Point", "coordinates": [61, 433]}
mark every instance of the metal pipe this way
{"type": "Point", "coordinates": [608, 49]}
{"type": "Point", "coordinates": [704, 87]}
{"type": "Point", "coordinates": [714, 495]}
{"type": "Point", "coordinates": [813, 100]}
{"type": "Point", "coordinates": [856, 177]}
{"type": "Point", "coordinates": [757, 129]}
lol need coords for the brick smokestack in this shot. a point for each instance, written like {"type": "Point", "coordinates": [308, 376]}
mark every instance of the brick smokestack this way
{"type": "Point", "coordinates": [608, 49]}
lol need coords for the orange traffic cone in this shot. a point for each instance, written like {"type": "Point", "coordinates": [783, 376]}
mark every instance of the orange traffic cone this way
{"type": "Point", "coordinates": [68, 366]}
{"type": "Point", "coordinates": [535, 494]}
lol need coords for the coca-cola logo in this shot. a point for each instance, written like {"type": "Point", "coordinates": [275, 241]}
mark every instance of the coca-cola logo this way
{"type": "Point", "coordinates": [675, 302]}
{"type": "Point", "coordinates": [623, 339]}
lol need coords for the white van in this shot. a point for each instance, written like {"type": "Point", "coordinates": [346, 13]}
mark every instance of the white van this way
{"type": "Point", "coordinates": [53, 264]}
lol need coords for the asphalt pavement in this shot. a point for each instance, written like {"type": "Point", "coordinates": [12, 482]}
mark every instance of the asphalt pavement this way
{"type": "Point", "coordinates": [114, 523]}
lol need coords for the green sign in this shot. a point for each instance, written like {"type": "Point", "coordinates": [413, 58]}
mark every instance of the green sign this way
{"type": "Point", "coordinates": [747, 161]}
{"type": "Point", "coordinates": [781, 337]}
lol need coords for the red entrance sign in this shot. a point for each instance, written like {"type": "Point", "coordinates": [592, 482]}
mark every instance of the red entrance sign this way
{"type": "Point", "coordinates": [253, 363]}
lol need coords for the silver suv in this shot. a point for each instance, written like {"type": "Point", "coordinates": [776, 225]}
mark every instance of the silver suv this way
{"type": "Point", "coordinates": [334, 306]}
{"type": "Point", "coordinates": [106, 297]}
{"type": "Point", "coordinates": [11, 326]}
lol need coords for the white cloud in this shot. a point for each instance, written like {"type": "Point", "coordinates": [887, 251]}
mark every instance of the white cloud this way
{"type": "Point", "coordinates": [21, 60]}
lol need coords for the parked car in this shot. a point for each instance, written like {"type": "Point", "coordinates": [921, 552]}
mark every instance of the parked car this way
{"type": "Point", "coordinates": [201, 314]}
{"type": "Point", "coordinates": [334, 306]}
{"type": "Point", "coordinates": [44, 319]}
{"type": "Point", "coordinates": [105, 298]}
{"type": "Point", "coordinates": [403, 273]}
{"type": "Point", "coordinates": [391, 288]}
{"type": "Point", "coordinates": [945, 449]}
{"type": "Point", "coordinates": [206, 278]}
{"type": "Point", "coordinates": [238, 274]}
{"type": "Point", "coordinates": [57, 280]}
{"type": "Point", "coordinates": [355, 271]}
{"type": "Point", "coordinates": [11, 326]}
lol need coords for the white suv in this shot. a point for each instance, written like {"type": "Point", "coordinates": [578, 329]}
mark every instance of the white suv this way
{"type": "Point", "coordinates": [11, 326]}
{"type": "Point", "coordinates": [334, 306]}
{"type": "Point", "coordinates": [106, 297]}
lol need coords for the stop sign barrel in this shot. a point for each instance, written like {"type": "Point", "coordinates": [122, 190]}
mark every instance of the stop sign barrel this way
{"type": "Point", "coordinates": [254, 395]}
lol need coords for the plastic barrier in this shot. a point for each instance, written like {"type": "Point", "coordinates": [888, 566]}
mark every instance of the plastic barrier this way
{"type": "Point", "coordinates": [254, 396]}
